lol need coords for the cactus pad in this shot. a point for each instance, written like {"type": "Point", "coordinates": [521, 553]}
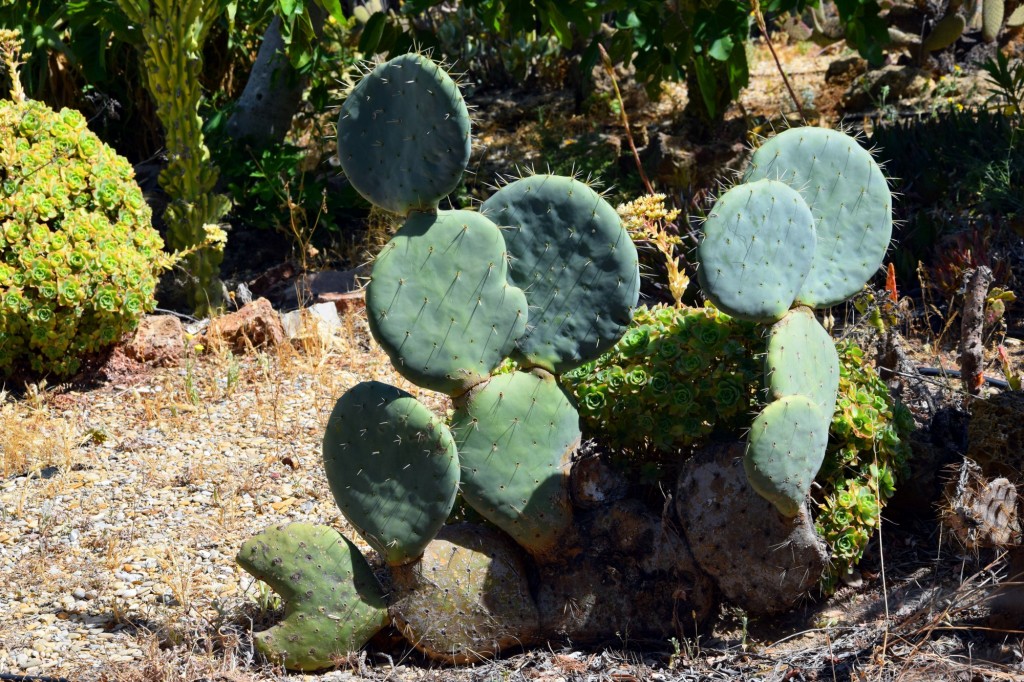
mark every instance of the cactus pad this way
{"type": "Point", "coordinates": [439, 301]}
{"type": "Point", "coordinates": [404, 135]}
{"type": "Point", "coordinates": [802, 360]}
{"type": "Point", "coordinates": [393, 468]}
{"type": "Point", "coordinates": [757, 248]}
{"type": "Point", "coordinates": [467, 599]}
{"type": "Point", "coordinates": [849, 198]}
{"type": "Point", "coordinates": [785, 449]}
{"type": "Point", "coordinates": [515, 437]}
{"type": "Point", "coordinates": [333, 602]}
{"type": "Point", "coordinates": [576, 263]}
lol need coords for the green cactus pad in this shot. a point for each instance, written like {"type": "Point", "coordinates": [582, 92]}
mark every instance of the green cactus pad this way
{"type": "Point", "coordinates": [439, 301]}
{"type": "Point", "coordinates": [515, 436]}
{"type": "Point", "coordinates": [576, 263]}
{"type": "Point", "coordinates": [802, 360]}
{"type": "Point", "coordinates": [785, 449]}
{"type": "Point", "coordinates": [468, 598]}
{"type": "Point", "coordinates": [757, 248]}
{"type": "Point", "coordinates": [393, 468]}
{"type": "Point", "coordinates": [403, 135]}
{"type": "Point", "coordinates": [849, 198]}
{"type": "Point", "coordinates": [333, 602]}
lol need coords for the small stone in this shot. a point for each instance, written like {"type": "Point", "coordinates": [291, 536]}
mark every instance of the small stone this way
{"type": "Point", "coordinates": [79, 593]}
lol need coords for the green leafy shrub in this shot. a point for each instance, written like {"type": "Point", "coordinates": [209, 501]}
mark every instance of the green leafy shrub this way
{"type": "Point", "coordinates": [78, 254]}
{"type": "Point", "coordinates": [676, 375]}
{"type": "Point", "coordinates": [680, 374]}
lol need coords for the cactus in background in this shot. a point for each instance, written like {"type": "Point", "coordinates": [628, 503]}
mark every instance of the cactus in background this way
{"type": "Point", "coordinates": [333, 602]}
{"type": "Point", "coordinates": [762, 260]}
{"type": "Point", "coordinates": [174, 33]}
{"type": "Point", "coordinates": [392, 467]}
{"type": "Point", "coordinates": [450, 300]}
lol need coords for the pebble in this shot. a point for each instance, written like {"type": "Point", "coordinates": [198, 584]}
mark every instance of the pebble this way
{"type": "Point", "coordinates": [79, 593]}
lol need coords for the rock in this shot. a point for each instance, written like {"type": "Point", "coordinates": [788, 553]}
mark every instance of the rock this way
{"type": "Point", "coordinates": [995, 435]}
{"type": "Point", "coordinates": [843, 71]}
{"type": "Point", "coordinates": [634, 575]}
{"type": "Point", "coordinates": [320, 321]}
{"type": "Point", "coordinates": [592, 482]}
{"type": "Point", "coordinates": [257, 324]}
{"type": "Point", "coordinates": [467, 598]}
{"type": "Point", "coordinates": [159, 341]}
{"type": "Point", "coordinates": [669, 160]}
{"type": "Point", "coordinates": [1006, 604]}
{"type": "Point", "coordinates": [903, 83]}
{"type": "Point", "coordinates": [761, 561]}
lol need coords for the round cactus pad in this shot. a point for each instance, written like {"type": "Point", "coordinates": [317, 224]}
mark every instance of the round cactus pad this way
{"type": "Point", "coordinates": [516, 435]}
{"type": "Point", "coordinates": [802, 360]}
{"type": "Point", "coordinates": [576, 263]}
{"type": "Point", "coordinates": [333, 602]}
{"type": "Point", "coordinates": [439, 301]}
{"type": "Point", "coordinates": [850, 200]}
{"type": "Point", "coordinates": [403, 135]}
{"type": "Point", "coordinates": [757, 248]}
{"type": "Point", "coordinates": [392, 467]}
{"type": "Point", "coordinates": [785, 449]}
{"type": "Point", "coordinates": [468, 598]}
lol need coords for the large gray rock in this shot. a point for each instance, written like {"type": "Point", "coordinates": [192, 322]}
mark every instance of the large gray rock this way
{"type": "Point", "coordinates": [760, 560]}
{"type": "Point", "coordinates": [634, 576]}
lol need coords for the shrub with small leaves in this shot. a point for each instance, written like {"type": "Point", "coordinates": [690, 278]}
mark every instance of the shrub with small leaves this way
{"type": "Point", "coordinates": [78, 253]}
{"type": "Point", "coordinates": [676, 375]}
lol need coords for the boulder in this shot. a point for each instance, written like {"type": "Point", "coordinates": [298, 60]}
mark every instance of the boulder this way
{"type": "Point", "coordinates": [760, 560]}
{"type": "Point", "coordinates": [257, 324]}
{"type": "Point", "coordinates": [159, 341]}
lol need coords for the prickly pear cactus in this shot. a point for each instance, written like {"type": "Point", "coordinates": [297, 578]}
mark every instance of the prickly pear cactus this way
{"type": "Point", "coordinates": [393, 468]}
{"type": "Point", "coordinates": [403, 135]}
{"type": "Point", "coordinates": [515, 435]}
{"type": "Point", "coordinates": [546, 274]}
{"type": "Point", "coordinates": [333, 602]}
{"type": "Point", "coordinates": [580, 268]}
{"type": "Point", "coordinates": [469, 597]}
{"type": "Point", "coordinates": [440, 303]}
{"type": "Point", "coordinates": [806, 229]}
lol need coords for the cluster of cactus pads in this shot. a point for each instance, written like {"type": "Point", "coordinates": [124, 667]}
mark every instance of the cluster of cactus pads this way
{"type": "Point", "coordinates": [543, 274]}
{"type": "Point", "coordinates": [807, 227]}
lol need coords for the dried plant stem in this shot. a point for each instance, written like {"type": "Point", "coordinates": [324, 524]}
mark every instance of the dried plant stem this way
{"type": "Point", "coordinates": [610, 70]}
{"type": "Point", "coordinates": [759, 18]}
{"type": "Point", "coordinates": [971, 329]}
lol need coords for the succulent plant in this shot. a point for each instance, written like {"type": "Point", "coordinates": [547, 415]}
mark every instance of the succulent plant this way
{"type": "Point", "coordinates": [78, 254]}
{"type": "Point", "coordinates": [544, 274]}
{"type": "Point", "coordinates": [806, 229]}
{"type": "Point", "coordinates": [333, 602]}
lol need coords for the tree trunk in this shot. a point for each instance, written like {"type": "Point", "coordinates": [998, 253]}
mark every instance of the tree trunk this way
{"type": "Point", "coordinates": [273, 92]}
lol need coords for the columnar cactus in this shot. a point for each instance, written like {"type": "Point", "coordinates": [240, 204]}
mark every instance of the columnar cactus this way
{"type": "Point", "coordinates": [806, 229]}
{"type": "Point", "coordinates": [544, 274]}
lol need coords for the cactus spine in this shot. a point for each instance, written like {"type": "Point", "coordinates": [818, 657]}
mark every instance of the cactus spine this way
{"type": "Point", "coordinates": [174, 33]}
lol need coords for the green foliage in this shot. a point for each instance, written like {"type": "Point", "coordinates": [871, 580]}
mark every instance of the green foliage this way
{"type": "Point", "coordinates": [78, 250]}
{"type": "Point", "coordinates": [866, 457]}
{"type": "Point", "coordinates": [680, 375]}
{"type": "Point", "coordinates": [674, 378]}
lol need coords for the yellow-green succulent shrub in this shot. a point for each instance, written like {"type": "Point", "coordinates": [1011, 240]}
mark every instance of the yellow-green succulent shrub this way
{"type": "Point", "coordinates": [78, 253]}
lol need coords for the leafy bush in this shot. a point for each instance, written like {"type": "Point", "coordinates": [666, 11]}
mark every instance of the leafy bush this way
{"type": "Point", "coordinates": [680, 375]}
{"type": "Point", "coordinates": [78, 254]}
